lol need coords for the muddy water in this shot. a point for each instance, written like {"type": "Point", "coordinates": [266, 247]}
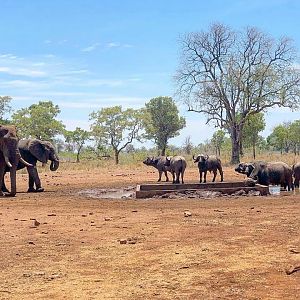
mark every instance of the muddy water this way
{"type": "Point", "coordinates": [121, 193]}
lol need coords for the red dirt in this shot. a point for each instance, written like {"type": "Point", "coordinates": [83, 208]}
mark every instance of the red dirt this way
{"type": "Point", "coordinates": [229, 248]}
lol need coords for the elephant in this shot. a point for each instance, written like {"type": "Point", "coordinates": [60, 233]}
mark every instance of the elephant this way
{"type": "Point", "coordinates": [159, 164]}
{"type": "Point", "coordinates": [208, 163]}
{"type": "Point", "coordinates": [177, 165]}
{"type": "Point", "coordinates": [266, 173]}
{"type": "Point", "coordinates": [9, 157]}
{"type": "Point", "coordinates": [33, 150]}
{"type": "Point", "coordinates": [296, 174]}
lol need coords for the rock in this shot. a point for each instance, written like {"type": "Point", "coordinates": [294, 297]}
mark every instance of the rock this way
{"type": "Point", "coordinates": [239, 193]}
{"type": "Point", "coordinates": [31, 243]}
{"type": "Point", "coordinates": [254, 193]}
{"type": "Point", "coordinates": [292, 269]}
{"type": "Point", "coordinates": [187, 213]}
{"type": "Point", "coordinates": [36, 223]}
{"type": "Point", "coordinates": [107, 219]}
{"type": "Point", "coordinates": [51, 215]}
{"type": "Point", "coordinates": [132, 240]}
{"type": "Point", "coordinates": [123, 241]}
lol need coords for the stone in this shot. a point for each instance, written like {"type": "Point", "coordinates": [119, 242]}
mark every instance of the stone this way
{"type": "Point", "coordinates": [187, 213]}
{"type": "Point", "coordinates": [36, 223]}
{"type": "Point", "coordinates": [123, 241]}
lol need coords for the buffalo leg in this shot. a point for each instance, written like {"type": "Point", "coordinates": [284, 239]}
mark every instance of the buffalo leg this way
{"type": "Point", "coordinates": [221, 174]}
{"type": "Point", "coordinates": [205, 176]}
{"type": "Point", "coordinates": [166, 174]}
{"type": "Point", "coordinates": [215, 174]}
{"type": "Point", "coordinates": [159, 176]}
{"type": "Point", "coordinates": [200, 176]}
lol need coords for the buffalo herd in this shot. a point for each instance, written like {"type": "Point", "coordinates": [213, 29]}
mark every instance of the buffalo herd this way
{"type": "Point", "coordinates": [261, 172]}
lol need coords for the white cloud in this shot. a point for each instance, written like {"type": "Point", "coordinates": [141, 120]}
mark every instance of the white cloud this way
{"type": "Point", "coordinates": [22, 72]}
{"type": "Point", "coordinates": [118, 45]}
{"type": "Point", "coordinates": [91, 48]}
{"type": "Point", "coordinates": [72, 124]}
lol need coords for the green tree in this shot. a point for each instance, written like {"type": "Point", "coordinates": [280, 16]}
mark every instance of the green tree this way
{"type": "Point", "coordinates": [218, 140]}
{"type": "Point", "coordinates": [4, 107]}
{"type": "Point", "coordinates": [38, 121]}
{"type": "Point", "coordinates": [77, 137]}
{"type": "Point", "coordinates": [294, 130]}
{"type": "Point", "coordinates": [162, 121]}
{"type": "Point", "coordinates": [279, 138]}
{"type": "Point", "coordinates": [116, 127]}
{"type": "Point", "coordinates": [253, 126]}
{"type": "Point", "coordinates": [230, 75]}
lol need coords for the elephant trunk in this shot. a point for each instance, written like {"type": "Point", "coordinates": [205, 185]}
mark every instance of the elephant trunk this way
{"type": "Point", "coordinates": [54, 165]}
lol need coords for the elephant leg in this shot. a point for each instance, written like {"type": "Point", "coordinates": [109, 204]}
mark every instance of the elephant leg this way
{"type": "Point", "coordinates": [4, 188]}
{"type": "Point", "coordinates": [2, 182]}
{"type": "Point", "coordinates": [166, 174]}
{"type": "Point", "coordinates": [34, 179]}
{"type": "Point", "coordinates": [159, 175]}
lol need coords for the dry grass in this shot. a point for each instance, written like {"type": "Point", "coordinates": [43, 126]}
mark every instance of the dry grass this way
{"type": "Point", "coordinates": [130, 162]}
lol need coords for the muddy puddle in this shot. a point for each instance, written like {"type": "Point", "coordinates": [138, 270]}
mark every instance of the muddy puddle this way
{"type": "Point", "coordinates": [120, 193]}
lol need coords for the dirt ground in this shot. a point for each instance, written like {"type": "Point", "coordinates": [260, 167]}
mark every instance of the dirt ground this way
{"type": "Point", "coordinates": [61, 244]}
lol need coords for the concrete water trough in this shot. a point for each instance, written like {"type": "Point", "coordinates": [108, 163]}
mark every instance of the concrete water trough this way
{"type": "Point", "coordinates": [150, 190]}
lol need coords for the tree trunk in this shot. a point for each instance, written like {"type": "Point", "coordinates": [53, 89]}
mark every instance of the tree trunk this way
{"type": "Point", "coordinates": [241, 148]}
{"type": "Point", "coordinates": [163, 151]}
{"type": "Point", "coordinates": [116, 157]}
{"type": "Point", "coordinates": [235, 142]}
{"type": "Point", "coordinates": [77, 157]}
{"type": "Point", "coordinates": [253, 150]}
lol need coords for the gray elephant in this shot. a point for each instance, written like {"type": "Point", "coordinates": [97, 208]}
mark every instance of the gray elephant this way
{"type": "Point", "coordinates": [267, 173]}
{"type": "Point", "coordinates": [177, 165]}
{"type": "Point", "coordinates": [33, 150]}
{"type": "Point", "coordinates": [296, 174]}
{"type": "Point", "coordinates": [208, 163]}
{"type": "Point", "coordinates": [159, 164]}
{"type": "Point", "coordinates": [9, 157]}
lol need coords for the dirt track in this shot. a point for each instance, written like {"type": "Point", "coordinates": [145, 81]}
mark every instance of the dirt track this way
{"type": "Point", "coordinates": [229, 248]}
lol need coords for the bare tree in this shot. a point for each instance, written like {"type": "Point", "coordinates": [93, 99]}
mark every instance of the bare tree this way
{"type": "Point", "coordinates": [230, 76]}
{"type": "Point", "coordinates": [187, 145]}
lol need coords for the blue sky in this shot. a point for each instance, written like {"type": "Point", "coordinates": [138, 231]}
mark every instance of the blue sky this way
{"type": "Point", "coordinates": [87, 54]}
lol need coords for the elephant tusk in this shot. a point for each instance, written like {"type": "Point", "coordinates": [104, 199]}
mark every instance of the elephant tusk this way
{"type": "Point", "coordinates": [7, 162]}
{"type": "Point", "coordinates": [25, 162]}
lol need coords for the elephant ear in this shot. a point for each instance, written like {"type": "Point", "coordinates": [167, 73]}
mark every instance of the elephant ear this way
{"type": "Point", "coordinates": [38, 150]}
